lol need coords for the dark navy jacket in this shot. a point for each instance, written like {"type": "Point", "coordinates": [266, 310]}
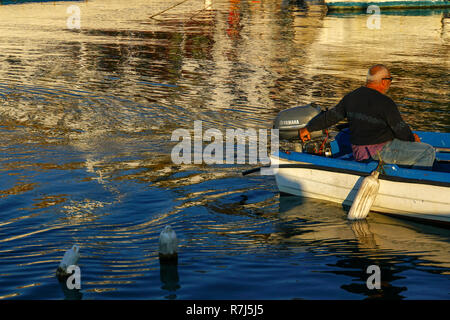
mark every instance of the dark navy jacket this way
{"type": "Point", "coordinates": [372, 116]}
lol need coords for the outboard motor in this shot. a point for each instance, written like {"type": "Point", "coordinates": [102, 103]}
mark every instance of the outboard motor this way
{"type": "Point", "coordinates": [290, 121]}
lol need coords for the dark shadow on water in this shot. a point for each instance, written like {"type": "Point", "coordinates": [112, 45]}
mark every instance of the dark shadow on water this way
{"type": "Point", "coordinates": [361, 273]}
{"type": "Point", "coordinates": [70, 294]}
{"type": "Point", "coordinates": [170, 280]}
{"type": "Point", "coordinates": [394, 246]}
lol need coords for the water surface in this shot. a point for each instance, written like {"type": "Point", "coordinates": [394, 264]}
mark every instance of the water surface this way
{"type": "Point", "coordinates": [86, 118]}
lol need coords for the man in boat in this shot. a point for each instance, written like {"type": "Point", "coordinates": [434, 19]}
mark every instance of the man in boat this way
{"type": "Point", "coordinates": [376, 126]}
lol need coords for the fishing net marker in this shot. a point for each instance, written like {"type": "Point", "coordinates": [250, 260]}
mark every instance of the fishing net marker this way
{"type": "Point", "coordinates": [68, 270]}
{"type": "Point", "coordinates": [168, 246]}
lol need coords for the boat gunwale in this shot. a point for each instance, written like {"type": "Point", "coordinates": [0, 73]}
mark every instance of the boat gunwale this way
{"type": "Point", "coordinates": [308, 165]}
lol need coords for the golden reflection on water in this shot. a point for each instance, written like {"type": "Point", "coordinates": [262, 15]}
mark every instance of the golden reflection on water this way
{"type": "Point", "coordinates": [110, 94]}
{"type": "Point", "coordinates": [377, 237]}
{"type": "Point", "coordinates": [17, 189]}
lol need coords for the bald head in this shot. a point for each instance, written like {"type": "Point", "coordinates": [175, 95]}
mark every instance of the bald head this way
{"type": "Point", "coordinates": [379, 78]}
{"type": "Point", "coordinates": [377, 73]}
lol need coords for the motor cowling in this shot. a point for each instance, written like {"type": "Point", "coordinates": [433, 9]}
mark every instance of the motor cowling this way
{"type": "Point", "coordinates": [290, 121]}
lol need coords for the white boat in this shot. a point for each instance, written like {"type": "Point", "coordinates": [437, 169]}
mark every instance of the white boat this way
{"type": "Point", "coordinates": [385, 4]}
{"type": "Point", "coordinates": [324, 168]}
{"type": "Point", "coordinates": [416, 194]}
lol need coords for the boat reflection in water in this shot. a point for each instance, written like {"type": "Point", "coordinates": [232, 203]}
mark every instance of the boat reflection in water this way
{"type": "Point", "coordinates": [321, 227]}
{"type": "Point", "coordinates": [344, 5]}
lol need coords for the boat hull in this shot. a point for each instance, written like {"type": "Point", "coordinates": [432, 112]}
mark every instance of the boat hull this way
{"type": "Point", "coordinates": [414, 200]}
{"type": "Point", "coordinates": [341, 5]}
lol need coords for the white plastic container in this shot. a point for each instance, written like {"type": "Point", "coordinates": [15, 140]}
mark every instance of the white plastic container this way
{"type": "Point", "coordinates": [70, 257]}
{"type": "Point", "coordinates": [168, 246]}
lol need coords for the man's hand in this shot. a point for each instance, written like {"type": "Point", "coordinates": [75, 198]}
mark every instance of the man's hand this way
{"type": "Point", "coordinates": [416, 138]}
{"type": "Point", "coordinates": [304, 134]}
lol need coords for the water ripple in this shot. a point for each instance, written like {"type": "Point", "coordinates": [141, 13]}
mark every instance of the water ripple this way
{"type": "Point", "coordinates": [86, 118]}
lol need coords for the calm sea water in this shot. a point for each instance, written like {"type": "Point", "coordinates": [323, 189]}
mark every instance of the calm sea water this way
{"type": "Point", "coordinates": [86, 117]}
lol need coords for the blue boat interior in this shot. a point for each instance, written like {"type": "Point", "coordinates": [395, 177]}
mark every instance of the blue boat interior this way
{"type": "Point", "coordinates": [342, 158]}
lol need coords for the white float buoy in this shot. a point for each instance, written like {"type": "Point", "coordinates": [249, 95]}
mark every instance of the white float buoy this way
{"type": "Point", "coordinates": [168, 245]}
{"type": "Point", "coordinates": [70, 258]}
{"type": "Point", "coordinates": [365, 197]}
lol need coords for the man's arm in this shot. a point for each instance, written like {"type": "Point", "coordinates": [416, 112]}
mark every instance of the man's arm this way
{"type": "Point", "coordinates": [328, 118]}
{"type": "Point", "coordinates": [323, 120]}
